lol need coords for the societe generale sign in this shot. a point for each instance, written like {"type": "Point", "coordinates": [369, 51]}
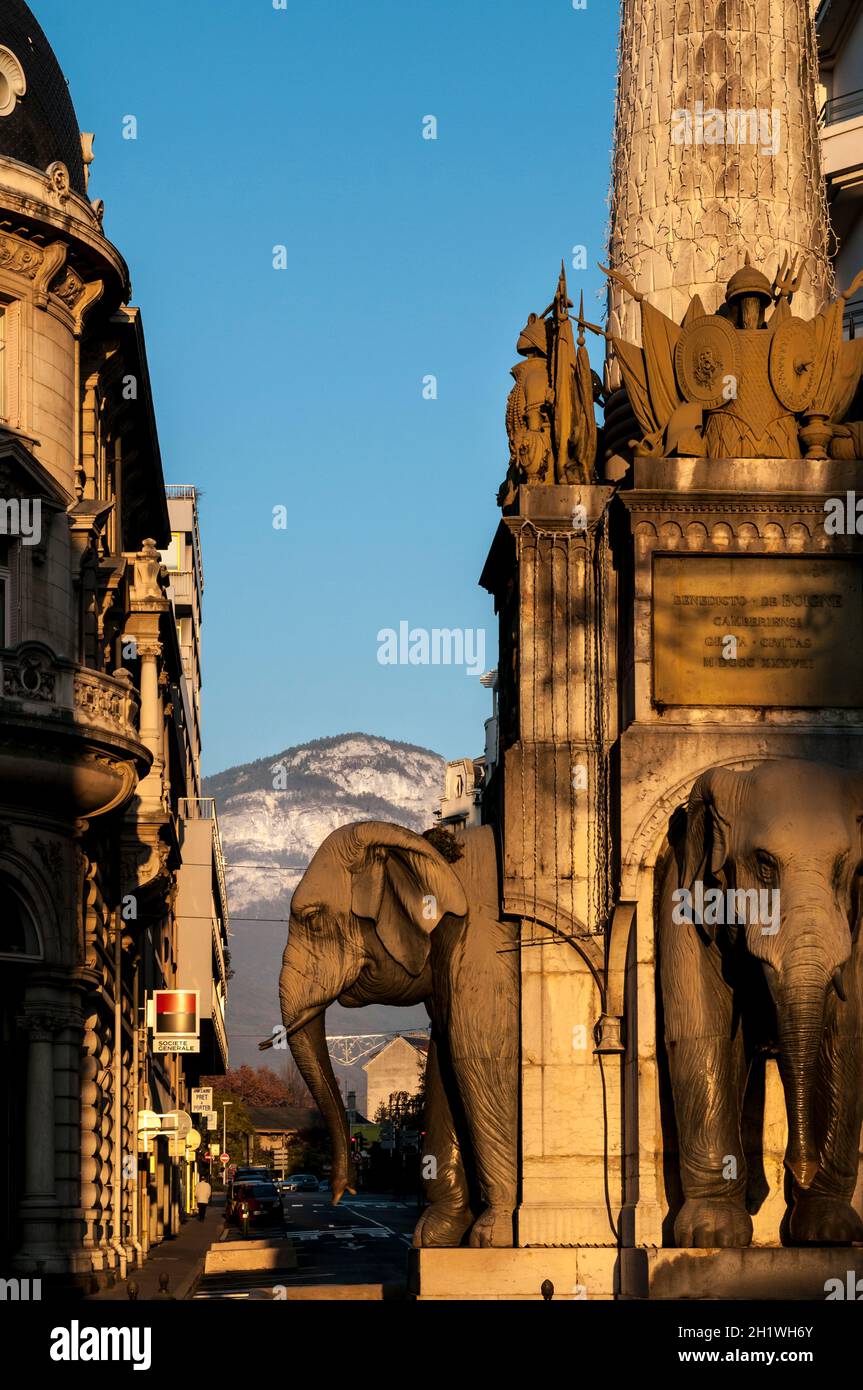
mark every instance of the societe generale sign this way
{"type": "Point", "coordinates": [176, 1020]}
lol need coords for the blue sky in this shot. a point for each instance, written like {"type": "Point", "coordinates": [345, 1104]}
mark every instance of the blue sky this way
{"type": "Point", "coordinates": [302, 388]}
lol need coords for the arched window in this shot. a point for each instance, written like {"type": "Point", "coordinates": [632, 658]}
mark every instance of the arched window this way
{"type": "Point", "coordinates": [19, 938]}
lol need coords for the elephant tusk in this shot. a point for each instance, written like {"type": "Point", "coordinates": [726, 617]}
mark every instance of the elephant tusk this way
{"type": "Point", "coordinates": [838, 984]}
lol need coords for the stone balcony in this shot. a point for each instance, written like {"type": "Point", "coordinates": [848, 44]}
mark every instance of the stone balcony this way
{"type": "Point", "coordinates": [69, 742]}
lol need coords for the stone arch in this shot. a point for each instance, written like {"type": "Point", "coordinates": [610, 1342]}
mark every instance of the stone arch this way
{"type": "Point", "coordinates": [24, 880]}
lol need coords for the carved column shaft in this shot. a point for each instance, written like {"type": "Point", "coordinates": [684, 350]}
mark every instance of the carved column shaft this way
{"type": "Point", "coordinates": [691, 189]}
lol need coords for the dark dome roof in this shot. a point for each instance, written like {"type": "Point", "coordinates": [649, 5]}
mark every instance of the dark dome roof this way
{"type": "Point", "coordinates": [43, 126]}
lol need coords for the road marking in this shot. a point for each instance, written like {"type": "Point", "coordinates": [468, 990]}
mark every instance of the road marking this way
{"type": "Point", "coordinates": [408, 1240]}
{"type": "Point", "coordinates": [358, 1212]}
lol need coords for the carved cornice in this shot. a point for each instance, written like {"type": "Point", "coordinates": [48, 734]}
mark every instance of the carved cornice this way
{"type": "Point", "coordinates": [41, 1023]}
{"type": "Point", "coordinates": [42, 265]}
{"type": "Point", "coordinates": [750, 531]}
{"type": "Point", "coordinates": [19, 256]}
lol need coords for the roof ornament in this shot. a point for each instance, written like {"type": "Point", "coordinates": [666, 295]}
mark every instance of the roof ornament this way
{"type": "Point", "coordinates": [13, 83]}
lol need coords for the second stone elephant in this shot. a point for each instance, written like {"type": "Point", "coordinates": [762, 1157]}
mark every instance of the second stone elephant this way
{"type": "Point", "coordinates": [760, 946]}
{"type": "Point", "coordinates": [381, 916]}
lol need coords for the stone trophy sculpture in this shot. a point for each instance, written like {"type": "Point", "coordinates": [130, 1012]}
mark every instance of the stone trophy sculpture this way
{"type": "Point", "coordinates": [789, 979]}
{"type": "Point", "coordinates": [382, 916]}
{"type": "Point", "coordinates": [737, 385]}
{"type": "Point", "coordinates": [550, 420]}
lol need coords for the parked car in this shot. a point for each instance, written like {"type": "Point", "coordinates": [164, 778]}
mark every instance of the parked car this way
{"type": "Point", "coordinates": [252, 1173]}
{"type": "Point", "coordinates": [325, 1185]}
{"type": "Point", "coordinates": [301, 1182]}
{"type": "Point", "coordinates": [262, 1198]}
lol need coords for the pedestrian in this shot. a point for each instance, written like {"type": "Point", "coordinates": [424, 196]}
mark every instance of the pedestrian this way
{"type": "Point", "coordinates": [163, 1289]}
{"type": "Point", "coordinates": [203, 1193]}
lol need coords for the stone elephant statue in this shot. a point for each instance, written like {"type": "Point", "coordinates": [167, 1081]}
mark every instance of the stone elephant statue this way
{"type": "Point", "coordinates": [776, 960]}
{"type": "Point", "coordinates": [381, 916]}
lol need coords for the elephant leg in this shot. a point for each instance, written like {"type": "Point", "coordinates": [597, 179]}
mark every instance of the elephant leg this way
{"type": "Point", "coordinates": [489, 1088]}
{"type": "Point", "coordinates": [823, 1214]}
{"type": "Point", "coordinates": [445, 1220]}
{"type": "Point", "coordinates": [479, 977]}
{"type": "Point", "coordinates": [708, 1078]}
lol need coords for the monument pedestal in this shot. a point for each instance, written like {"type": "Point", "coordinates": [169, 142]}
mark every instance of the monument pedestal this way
{"type": "Point", "coordinates": [775, 1275]}
{"type": "Point", "coordinates": [457, 1275]}
{"type": "Point", "coordinates": [618, 688]}
{"type": "Point", "coordinates": [719, 549]}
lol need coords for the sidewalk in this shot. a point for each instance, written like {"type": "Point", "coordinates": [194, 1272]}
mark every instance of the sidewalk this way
{"type": "Point", "coordinates": [181, 1258]}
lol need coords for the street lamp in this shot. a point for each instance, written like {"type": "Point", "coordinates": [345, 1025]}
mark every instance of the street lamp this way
{"type": "Point", "coordinates": [225, 1104]}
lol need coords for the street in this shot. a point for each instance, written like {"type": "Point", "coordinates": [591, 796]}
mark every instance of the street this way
{"type": "Point", "coordinates": [364, 1240]}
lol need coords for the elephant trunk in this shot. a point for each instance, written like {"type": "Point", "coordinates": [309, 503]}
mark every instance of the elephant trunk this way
{"type": "Point", "coordinates": [309, 1047]}
{"type": "Point", "coordinates": [801, 1021]}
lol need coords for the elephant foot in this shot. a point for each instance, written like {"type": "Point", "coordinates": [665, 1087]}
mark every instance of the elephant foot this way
{"type": "Point", "coordinates": [824, 1221]}
{"type": "Point", "coordinates": [493, 1228]}
{"type": "Point", "coordinates": [705, 1223]}
{"type": "Point", "coordinates": [441, 1226]}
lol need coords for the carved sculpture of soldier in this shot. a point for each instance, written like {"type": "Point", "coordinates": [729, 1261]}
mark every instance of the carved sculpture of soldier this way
{"type": "Point", "coordinates": [550, 419]}
{"type": "Point", "coordinates": [737, 384]}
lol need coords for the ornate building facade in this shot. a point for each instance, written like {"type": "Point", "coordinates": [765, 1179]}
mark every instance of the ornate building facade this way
{"type": "Point", "coordinates": [99, 722]}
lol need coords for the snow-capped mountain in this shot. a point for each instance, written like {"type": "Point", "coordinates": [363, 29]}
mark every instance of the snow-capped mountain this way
{"type": "Point", "coordinates": [273, 815]}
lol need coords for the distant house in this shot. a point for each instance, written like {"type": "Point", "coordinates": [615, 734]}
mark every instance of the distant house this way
{"type": "Point", "coordinates": [277, 1127]}
{"type": "Point", "coordinates": [460, 804]}
{"type": "Point", "coordinates": [397, 1066]}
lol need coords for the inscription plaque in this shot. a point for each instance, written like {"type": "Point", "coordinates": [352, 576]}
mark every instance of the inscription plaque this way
{"type": "Point", "coordinates": [758, 630]}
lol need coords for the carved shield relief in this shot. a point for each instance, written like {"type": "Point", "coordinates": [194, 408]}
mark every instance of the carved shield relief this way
{"type": "Point", "coordinates": [705, 358]}
{"type": "Point", "coordinates": [792, 364]}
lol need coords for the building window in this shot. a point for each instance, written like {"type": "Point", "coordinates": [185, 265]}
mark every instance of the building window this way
{"type": "Point", "coordinates": [173, 556]}
{"type": "Point", "coordinates": [18, 935]}
{"type": "Point", "coordinates": [6, 638]}
{"type": "Point", "coordinates": [2, 362]}
{"type": "Point", "coordinates": [8, 587]}
{"type": "Point", "coordinates": [10, 334]}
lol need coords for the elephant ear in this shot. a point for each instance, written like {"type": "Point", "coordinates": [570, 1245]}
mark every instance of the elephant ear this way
{"type": "Point", "coordinates": [709, 818]}
{"type": "Point", "coordinates": [405, 887]}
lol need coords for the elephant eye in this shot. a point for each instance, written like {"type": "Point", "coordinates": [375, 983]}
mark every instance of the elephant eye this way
{"type": "Point", "coordinates": [768, 870]}
{"type": "Point", "coordinates": [856, 897]}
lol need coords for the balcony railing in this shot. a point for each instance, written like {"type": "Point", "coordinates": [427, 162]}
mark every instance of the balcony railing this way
{"type": "Point", "coordinates": [183, 585]}
{"type": "Point", "coordinates": [204, 808]}
{"type": "Point", "coordinates": [853, 319]}
{"type": "Point", "coordinates": [32, 675]}
{"type": "Point", "coordinates": [219, 1025]}
{"type": "Point", "coordinates": [182, 491]}
{"type": "Point", "coordinates": [843, 108]}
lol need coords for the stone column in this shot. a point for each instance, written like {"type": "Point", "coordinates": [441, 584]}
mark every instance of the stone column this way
{"type": "Point", "coordinates": [147, 605]}
{"type": "Point", "coordinates": [39, 1210]}
{"type": "Point", "coordinates": [149, 651]}
{"type": "Point", "coordinates": [687, 204]}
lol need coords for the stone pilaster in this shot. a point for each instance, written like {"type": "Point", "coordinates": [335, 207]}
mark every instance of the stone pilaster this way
{"type": "Point", "coordinates": [554, 587]}
{"type": "Point", "coordinates": [41, 1246]}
